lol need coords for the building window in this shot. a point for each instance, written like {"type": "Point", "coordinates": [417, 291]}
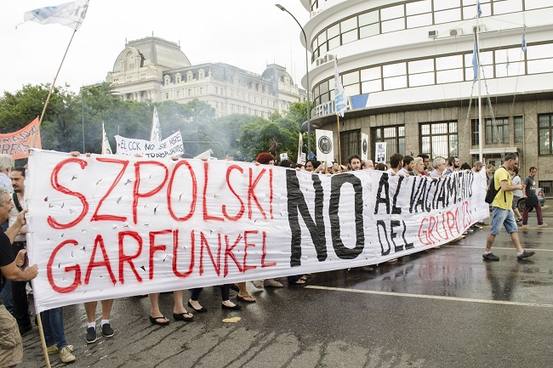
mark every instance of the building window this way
{"type": "Point", "coordinates": [545, 134]}
{"type": "Point", "coordinates": [475, 133]}
{"type": "Point", "coordinates": [518, 129]}
{"type": "Point", "coordinates": [394, 136]}
{"type": "Point", "coordinates": [349, 143]}
{"type": "Point", "coordinates": [439, 139]}
{"type": "Point", "coordinates": [547, 187]}
{"type": "Point", "coordinates": [497, 131]}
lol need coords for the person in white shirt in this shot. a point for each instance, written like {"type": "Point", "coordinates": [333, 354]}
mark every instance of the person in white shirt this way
{"type": "Point", "coordinates": [439, 166]}
{"type": "Point", "coordinates": [6, 164]}
{"type": "Point", "coordinates": [517, 194]}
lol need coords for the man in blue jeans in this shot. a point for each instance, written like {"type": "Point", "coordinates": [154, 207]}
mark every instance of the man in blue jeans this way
{"type": "Point", "coordinates": [502, 213]}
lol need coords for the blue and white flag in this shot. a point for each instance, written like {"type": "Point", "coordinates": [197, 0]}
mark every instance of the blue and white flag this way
{"type": "Point", "coordinates": [69, 14]}
{"type": "Point", "coordinates": [359, 101]}
{"type": "Point", "coordinates": [475, 61]}
{"type": "Point", "coordinates": [478, 10]}
{"type": "Point", "coordinates": [339, 96]}
{"type": "Point", "coordinates": [524, 45]}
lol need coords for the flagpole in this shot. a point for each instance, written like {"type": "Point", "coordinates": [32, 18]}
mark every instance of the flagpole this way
{"type": "Point", "coordinates": [43, 341]}
{"type": "Point", "coordinates": [338, 139]}
{"type": "Point", "coordinates": [56, 77]}
{"type": "Point", "coordinates": [480, 125]}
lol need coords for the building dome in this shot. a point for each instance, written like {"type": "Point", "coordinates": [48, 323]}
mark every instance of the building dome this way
{"type": "Point", "coordinates": [150, 51]}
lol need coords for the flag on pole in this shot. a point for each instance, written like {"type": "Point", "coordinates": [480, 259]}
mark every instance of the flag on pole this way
{"type": "Point", "coordinates": [155, 135]}
{"type": "Point", "coordinates": [339, 97]}
{"type": "Point", "coordinates": [475, 61]}
{"type": "Point", "coordinates": [478, 9]}
{"type": "Point", "coordinates": [69, 14]}
{"type": "Point", "coordinates": [106, 147]}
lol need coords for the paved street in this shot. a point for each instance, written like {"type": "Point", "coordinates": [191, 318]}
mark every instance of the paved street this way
{"type": "Point", "coordinates": [441, 308]}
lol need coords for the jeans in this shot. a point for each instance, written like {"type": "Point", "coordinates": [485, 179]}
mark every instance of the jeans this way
{"type": "Point", "coordinates": [19, 295]}
{"type": "Point", "coordinates": [502, 217]}
{"type": "Point", "coordinates": [527, 209]}
{"type": "Point", "coordinates": [52, 321]}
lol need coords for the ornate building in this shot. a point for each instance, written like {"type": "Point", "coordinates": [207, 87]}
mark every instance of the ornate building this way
{"type": "Point", "coordinates": [411, 64]}
{"type": "Point", "coordinates": [153, 69]}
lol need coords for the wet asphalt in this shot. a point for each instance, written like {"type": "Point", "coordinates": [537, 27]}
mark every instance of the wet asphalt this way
{"type": "Point", "coordinates": [439, 308]}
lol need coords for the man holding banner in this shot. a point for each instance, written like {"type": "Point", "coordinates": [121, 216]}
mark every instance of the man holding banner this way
{"type": "Point", "coordinates": [12, 268]}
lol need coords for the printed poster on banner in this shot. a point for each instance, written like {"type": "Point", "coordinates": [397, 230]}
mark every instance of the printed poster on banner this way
{"type": "Point", "coordinates": [104, 227]}
{"type": "Point", "coordinates": [380, 152]}
{"type": "Point", "coordinates": [364, 146]}
{"type": "Point", "coordinates": [18, 144]}
{"type": "Point", "coordinates": [325, 145]}
{"type": "Point", "coordinates": [168, 147]}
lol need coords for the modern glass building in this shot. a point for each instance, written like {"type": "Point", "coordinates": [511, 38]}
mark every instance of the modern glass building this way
{"type": "Point", "coordinates": [414, 61]}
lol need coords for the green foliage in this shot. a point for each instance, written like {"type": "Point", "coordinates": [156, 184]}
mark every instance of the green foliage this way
{"type": "Point", "coordinates": [240, 136]}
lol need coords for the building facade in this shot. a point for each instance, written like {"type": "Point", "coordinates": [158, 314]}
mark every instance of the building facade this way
{"type": "Point", "coordinates": [153, 69]}
{"type": "Point", "coordinates": [414, 60]}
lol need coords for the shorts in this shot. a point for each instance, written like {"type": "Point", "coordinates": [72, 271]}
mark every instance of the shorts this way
{"type": "Point", "coordinates": [11, 347]}
{"type": "Point", "coordinates": [505, 218]}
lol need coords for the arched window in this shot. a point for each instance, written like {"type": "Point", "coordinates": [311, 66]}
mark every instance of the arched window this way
{"type": "Point", "coordinates": [167, 80]}
{"type": "Point", "coordinates": [189, 76]}
{"type": "Point", "coordinates": [177, 78]}
{"type": "Point", "coordinates": [201, 74]}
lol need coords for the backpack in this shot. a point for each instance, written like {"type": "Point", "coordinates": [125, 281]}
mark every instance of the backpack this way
{"type": "Point", "coordinates": [492, 192]}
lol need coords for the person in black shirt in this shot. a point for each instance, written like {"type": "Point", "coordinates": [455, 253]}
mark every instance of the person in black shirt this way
{"type": "Point", "coordinates": [11, 348]}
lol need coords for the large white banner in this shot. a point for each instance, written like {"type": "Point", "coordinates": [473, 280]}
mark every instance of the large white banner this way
{"type": "Point", "coordinates": [171, 145]}
{"type": "Point", "coordinates": [113, 226]}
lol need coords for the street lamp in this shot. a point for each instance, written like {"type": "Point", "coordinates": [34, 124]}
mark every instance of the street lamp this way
{"type": "Point", "coordinates": [306, 72]}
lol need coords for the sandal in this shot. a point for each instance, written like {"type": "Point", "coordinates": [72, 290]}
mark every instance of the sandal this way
{"type": "Point", "coordinates": [160, 321]}
{"type": "Point", "coordinates": [185, 316]}
{"type": "Point", "coordinates": [201, 310]}
{"type": "Point", "coordinates": [245, 298]}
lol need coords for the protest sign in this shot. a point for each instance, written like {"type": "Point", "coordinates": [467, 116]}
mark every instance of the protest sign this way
{"type": "Point", "coordinates": [325, 145]}
{"type": "Point", "coordinates": [171, 145]}
{"type": "Point", "coordinates": [17, 144]}
{"type": "Point", "coordinates": [104, 227]}
{"type": "Point", "coordinates": [364, 146]}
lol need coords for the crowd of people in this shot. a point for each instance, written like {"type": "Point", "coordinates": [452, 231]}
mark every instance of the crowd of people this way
{"type": "Point", "coordinates": [15, 319]}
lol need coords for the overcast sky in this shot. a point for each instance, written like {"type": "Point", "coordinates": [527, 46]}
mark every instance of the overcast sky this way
{"type": "Point", "coordinates": [246, 33]}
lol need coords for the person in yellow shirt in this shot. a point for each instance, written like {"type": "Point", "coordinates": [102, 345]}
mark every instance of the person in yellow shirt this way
{"type": "Point", "coordinates": [502, 213]}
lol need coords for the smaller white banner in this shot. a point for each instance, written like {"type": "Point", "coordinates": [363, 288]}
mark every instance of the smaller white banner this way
{"type": "Point", "coordinates": [325, 145]}
{"type": "Point", "coordinates": [380, 152]}
{"type": "Point", "coordinates": [171, 145]}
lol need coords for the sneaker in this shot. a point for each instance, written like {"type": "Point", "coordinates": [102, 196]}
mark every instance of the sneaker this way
{"type": "Point", "coordinates": [273, 283]}
{"type": "Point", "coordinates": [66, 354]}
{"type": "Point", "coordinates": [52, 349]}
{"type": "Point", "coordinates": [525, 254]}
{"type": "Point", "coordinates": [542, 225]}
{"type": "Point", "coordinates": [490, 257]}
{"type": "Point", "coordinates": [524, 227]}
{"type": "Point", "coordinates": [91, 337]}
{"type": "Point", "coordinates": [107, 331]}
{"type": "Point", "coordinates": [258, 284]}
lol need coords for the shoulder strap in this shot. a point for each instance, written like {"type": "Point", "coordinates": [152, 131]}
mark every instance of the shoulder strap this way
{"type": "Point", "coordinates": [16, 202]}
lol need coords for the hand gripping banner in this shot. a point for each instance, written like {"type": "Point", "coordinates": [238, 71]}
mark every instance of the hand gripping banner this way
{"type": "Point", "coordinates": [104, 227]}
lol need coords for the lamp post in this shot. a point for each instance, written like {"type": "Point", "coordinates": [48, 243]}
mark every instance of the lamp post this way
{"type": "Point", "coordinates": [282, 8]}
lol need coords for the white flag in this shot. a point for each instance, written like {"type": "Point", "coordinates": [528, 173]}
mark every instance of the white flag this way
{"type": "Point", "coordinates": [106, 147]}
{"type": "Point", "coordinates": [301, 155]}
{"type": "Point", "coordinates": [67, 14]}
{"type": "Point", "coordinates": [155, 135]}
